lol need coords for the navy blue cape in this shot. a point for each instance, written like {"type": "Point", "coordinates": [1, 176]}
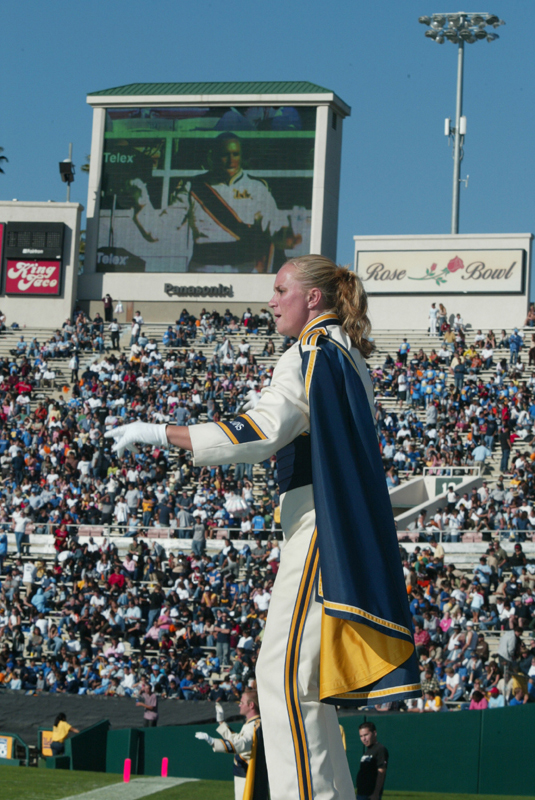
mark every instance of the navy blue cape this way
{"type": "Point", "coordinates": [367, 648]}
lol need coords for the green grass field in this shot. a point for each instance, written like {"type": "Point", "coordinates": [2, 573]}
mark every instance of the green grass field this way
{"type": "Point", "coordinates": [41, 784]}
{"type": "Point", "coordinates": [22, 783]}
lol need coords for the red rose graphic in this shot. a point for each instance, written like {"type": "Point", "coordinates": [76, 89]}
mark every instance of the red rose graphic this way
{"type": "Point", "coordinates": [455, 264]}
{"type": "Point", "coordinates": [433, 267]}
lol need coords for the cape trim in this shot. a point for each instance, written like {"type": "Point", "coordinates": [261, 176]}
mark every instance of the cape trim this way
{"type": "Point", "coordinates": [329, 318]}
{"type": "Point", "coordinates": [328, 604]}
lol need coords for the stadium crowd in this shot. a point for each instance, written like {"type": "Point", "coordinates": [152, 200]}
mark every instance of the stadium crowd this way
{"type": "Point", "coordinates": [454, 407]}
{"type": "Point", "coordinates": [76, 616]}
{"type": "Point", "coordinates": [455, 612]}
{"type": "Point", "coordinates": [96, 620]}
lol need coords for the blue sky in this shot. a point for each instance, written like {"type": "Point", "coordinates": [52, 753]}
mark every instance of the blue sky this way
{"type": "Point", "coordinates": [396, 164]}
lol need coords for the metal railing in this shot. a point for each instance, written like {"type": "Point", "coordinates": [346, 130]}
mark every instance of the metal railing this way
{"type": "Point", "coordinates": [121, 530]}
{"type": "Point", "coordinates": [216, 535]}
{"type": "Point", "coordinates": [466, 535]}
{"type": "Point", "coordinates": [451, 472]}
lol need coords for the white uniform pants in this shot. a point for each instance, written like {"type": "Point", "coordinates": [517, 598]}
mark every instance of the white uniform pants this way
{"type": "Point", "coordinates": [305, 755]}
{"type": "Point", "coordinates": [239, 786]}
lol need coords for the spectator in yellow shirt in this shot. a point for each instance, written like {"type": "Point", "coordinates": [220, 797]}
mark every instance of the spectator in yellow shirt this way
{"type": "Point", "coordinates": [433, 702]}
{"type": "Point", "coordinates": [60, 732]}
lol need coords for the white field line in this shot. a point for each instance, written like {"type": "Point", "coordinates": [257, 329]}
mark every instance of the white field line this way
{"type": "Point", "coordinates": [135, 789]}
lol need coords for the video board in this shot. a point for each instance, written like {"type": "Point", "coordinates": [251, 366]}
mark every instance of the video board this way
{"type": "Point", "coordinates": [205, 190]}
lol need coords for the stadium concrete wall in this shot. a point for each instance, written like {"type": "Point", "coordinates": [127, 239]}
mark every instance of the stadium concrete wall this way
{"type": "Point", "coordinates": [44, 309]}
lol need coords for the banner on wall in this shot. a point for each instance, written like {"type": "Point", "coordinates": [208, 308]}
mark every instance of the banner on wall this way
{"type": "Point", "coordinates": [442, 271]}
{"type": "Point", "coordinates": [46, 742]}
{"type": "Point", "coordinates": [32, 277]}
{"type": "Point", "coordinates": [6, 746]}
{"type": "Point", "coordinates": [205, 190]}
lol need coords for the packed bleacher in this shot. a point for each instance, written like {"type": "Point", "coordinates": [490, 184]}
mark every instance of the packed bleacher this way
{"type": "Point", "coordinates": [149, 569]}
{"type": "Point", "coordinates": [464, 401]}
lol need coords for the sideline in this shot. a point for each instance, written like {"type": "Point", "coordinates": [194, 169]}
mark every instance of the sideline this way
{"type": "Point", "coordinates": [136, 788]}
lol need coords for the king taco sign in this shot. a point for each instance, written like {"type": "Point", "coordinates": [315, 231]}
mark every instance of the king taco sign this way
{"type": "Point", "coordinates": [32, 277]}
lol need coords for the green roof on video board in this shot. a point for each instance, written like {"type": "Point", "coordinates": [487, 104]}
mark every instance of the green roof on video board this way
{"type": "Point", "coordinates": [222, 87]}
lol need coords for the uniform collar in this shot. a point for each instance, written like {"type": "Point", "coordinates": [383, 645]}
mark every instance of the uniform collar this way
{"type": "Point", "coordinates": [215, 180]}
{"type": "Point", "coordinates": [329, 318]}
{"type": "Point", "coordinates": [235, 178]}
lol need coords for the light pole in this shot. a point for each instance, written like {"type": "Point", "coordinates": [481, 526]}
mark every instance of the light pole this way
{"type": "Point", "coordinates": [459, 28]}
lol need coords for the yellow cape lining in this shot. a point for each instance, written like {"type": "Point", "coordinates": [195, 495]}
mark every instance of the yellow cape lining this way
{"type": "Point", "coordinates": [354, 655]}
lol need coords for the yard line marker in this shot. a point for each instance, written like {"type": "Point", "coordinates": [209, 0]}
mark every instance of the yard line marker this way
{"type": "Point", "coordinates": [135, 790]}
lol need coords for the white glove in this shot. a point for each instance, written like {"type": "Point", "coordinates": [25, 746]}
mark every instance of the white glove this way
{"type": "Point", "coordinates": [251, 402]}
{"type": "Point", "coordinates": [219, 713]}
{"type": "Point", "coordinates": [143, 432]}
{"type": "Point", "coordinates": [204, 738]}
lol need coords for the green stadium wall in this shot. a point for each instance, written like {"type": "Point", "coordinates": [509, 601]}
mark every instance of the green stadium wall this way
{"type": "Point", "coordinates": [87, 750]}
{"type": "Point", "coordinates": [472, 752]}
{"type": "Point", "coordinates": [466, 752]}
{"type": "Point", "coordinates": [121, 744]}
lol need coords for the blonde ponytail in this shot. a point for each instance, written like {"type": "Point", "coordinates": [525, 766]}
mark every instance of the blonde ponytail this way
{"type": "Point", "coordinates": [342, 292]}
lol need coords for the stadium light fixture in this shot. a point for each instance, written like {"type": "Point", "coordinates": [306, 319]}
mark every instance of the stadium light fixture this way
{"type": "Point", "coordinates": [459, 28]}
{"type": "Point", "coordinates": [66, 171]}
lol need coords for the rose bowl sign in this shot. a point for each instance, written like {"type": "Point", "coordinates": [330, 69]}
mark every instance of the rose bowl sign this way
{"type": "Point", "coordinates": [442, 271]}
{"type": "Point", "coordinates": [32, 277]}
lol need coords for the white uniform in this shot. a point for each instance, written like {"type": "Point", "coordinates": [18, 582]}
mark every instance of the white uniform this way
{"type": "Point", "coordinates": [304, 751]}
{"type": "Point", "coordinates": [433, 313]}
{"type": "Point", "coordinates": [241, 744]}
{"type": "Point", "coordinates": [165, 238]}
{"type": "Point", "coordinates": [218, 213]}
{"type": "Point", "coordinates": [252, 201]}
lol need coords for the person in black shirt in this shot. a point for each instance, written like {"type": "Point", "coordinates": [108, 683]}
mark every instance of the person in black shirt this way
{"type": "Point", "coordinates": [517, 560]}
{"type": "Point", "coordinates": [372, 773]}
{"type": "Point", "coordinates": [156, 601]}
{"type": "Point", "coordinates": [165, 513]}
{"type": "Point", "coordinates": [505, 444]}
{"type": "Point", "coordinates": [222, 631]}
{"type": "Point", "coordinates": [217, 694]}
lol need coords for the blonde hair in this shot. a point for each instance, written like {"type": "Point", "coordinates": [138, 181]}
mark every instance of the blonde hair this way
{"type": "Point", "coordinates": [342, 292]}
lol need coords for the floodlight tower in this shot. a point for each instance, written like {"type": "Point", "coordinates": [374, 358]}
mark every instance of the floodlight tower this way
{"type": "Point", "coordinates": [458, 28]}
